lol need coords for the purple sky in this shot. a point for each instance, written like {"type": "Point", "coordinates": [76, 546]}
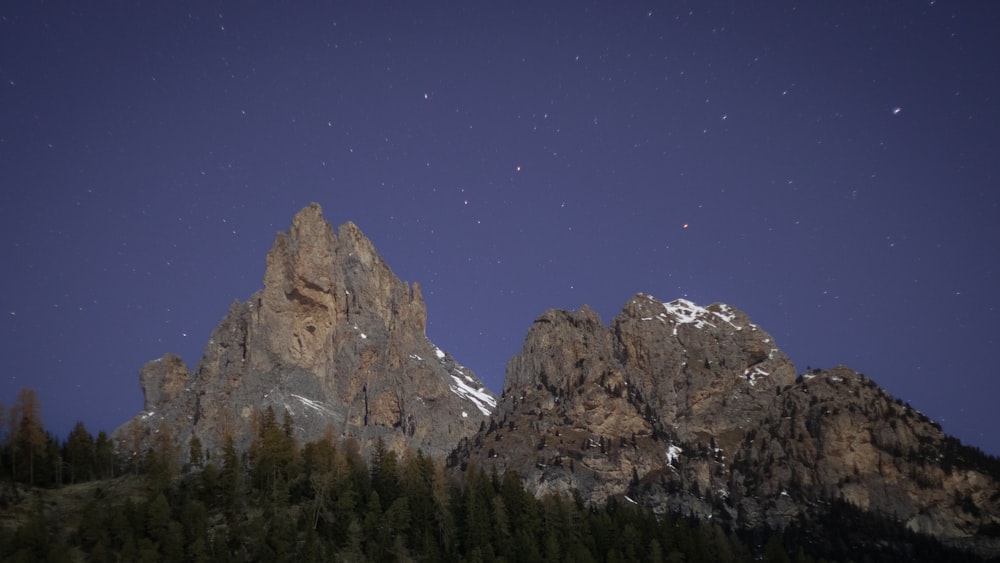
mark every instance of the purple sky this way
{"type": "Point", "coordinates": [830, 168]}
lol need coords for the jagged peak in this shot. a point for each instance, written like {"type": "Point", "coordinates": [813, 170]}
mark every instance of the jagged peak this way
{"type": "Point", "coordinates": [312, 213]}
{"type": "Point", "coordinates": [335, 338]}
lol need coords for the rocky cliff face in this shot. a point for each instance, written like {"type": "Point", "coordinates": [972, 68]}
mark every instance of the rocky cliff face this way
{"type": "Point", "coordinates": [695, 410]}
{"type": "Point", "coordinates": [335, 339]}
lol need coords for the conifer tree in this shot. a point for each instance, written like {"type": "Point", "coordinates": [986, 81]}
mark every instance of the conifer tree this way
{"type": "Point", "coordinates": [53, 463]}
{"type": "Point", "coordinates": [273, 453]}
{"type": "Point", "coordinates": [104, 455]}
{"type": "Point", "coordinates": [375, 530]}
{"type": "Point", "coordinates": [195, 452]}
{"type": "Point", "coordinates": [81, 454]}
{"type": "Point", "coordinates": [231, 476]}
{"type": "Point", "coordinates": [384, 473]}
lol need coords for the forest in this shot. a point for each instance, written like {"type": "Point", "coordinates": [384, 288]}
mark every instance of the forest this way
{"type": "Point", "coordinates": [79, 500]}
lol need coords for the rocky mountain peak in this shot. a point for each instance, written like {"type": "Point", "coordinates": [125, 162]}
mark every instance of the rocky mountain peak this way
{"type": "Point", "coordinates": [335, 339]}
{"type": "Point", "coordinates": [694, 409]}
{"type": "Point", "coordinates": [705, 371]}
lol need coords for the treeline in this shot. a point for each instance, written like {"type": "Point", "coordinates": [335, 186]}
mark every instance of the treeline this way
{"type": "Point", "coordinates": [32, 456]}
{"type": "Point", "coordinates": [325, 501]}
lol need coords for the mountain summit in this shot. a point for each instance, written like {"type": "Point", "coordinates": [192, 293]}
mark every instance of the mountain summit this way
{"type": "Point", "coordinates": [335, 339]}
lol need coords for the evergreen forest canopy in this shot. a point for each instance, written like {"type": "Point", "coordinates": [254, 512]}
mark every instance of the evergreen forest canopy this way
{"type": "Point", "coordinates": [82, 500]}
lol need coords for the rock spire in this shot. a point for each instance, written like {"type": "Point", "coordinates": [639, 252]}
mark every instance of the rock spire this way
{"type": "Point", "coordinates": [335, 339]}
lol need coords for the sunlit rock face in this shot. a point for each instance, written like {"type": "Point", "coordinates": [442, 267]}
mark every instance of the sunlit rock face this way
{"type": "Point", "coordinates": [336, 340]}
{"type": "Point", "coordinates": [695, 410]}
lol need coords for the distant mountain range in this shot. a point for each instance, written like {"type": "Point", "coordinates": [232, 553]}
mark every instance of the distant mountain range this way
{"type": "Point", "coordinates": [679, 407]}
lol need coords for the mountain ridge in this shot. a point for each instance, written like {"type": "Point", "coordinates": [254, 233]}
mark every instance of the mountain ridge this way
{"type": "Point", "coordinates": [683, 408]}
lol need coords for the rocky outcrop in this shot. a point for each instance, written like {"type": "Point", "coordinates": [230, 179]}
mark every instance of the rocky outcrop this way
{"type": "Point", "coordinates": [834, 434]}
{"type": "Point", "coordinates": [336, 340]}
{"type": "Point", "coordinates": [695, 410]}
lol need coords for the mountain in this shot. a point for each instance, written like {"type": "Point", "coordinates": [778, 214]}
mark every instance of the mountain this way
{"type": "Point", "coordinates": [335, 339]}
{"type": "Point", "coordinates": [694, 410]}
{"type": "Point", "coordinates": [682, 408]}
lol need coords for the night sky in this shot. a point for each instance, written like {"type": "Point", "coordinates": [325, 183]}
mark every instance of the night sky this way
{"type": "Point", "coordinates": [830, 168]}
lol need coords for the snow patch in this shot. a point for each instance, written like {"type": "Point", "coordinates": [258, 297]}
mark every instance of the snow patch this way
{"type": "Point", "coordinates": [364, 336]}
{"type": "Point", "coordinates": [479, 397]}
{"type": "Point", "coordinates": [686, 312]}
{"type": "Point", "coordinates": [315, 405]}
{"type": "Point", "coordinates": [727, 314]}
{"type": "Point", "coordinates": [416, 357]}
{"type": "Point", "coordinates": [673, 454]}
{"type": "Point", "coordinates": [439, 353]}
{"type": "Point", "coordinates": [465, 414]}
{"type": "Point", "coordinates": [753, 375]}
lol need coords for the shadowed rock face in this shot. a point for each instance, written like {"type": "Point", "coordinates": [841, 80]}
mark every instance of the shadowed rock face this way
{"type": "Point", "coordinates": [695, 409]}
{"type": "Point", "coordinates": [335, 339]}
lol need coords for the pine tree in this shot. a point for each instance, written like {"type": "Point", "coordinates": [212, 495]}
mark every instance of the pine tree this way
{"type": "Point", "coordinates": [81, 454]}
{"type": "Point", "coordinates": [52, 463]}
{"type": "Point", "coordinates": [375, 530]}
{"type": "Point", "coordinates": [194, 521]}
{"type": "Point", "coordinates": [231, 476]}
{"type": "Point", "coordinates": [273, 454]}
{"type": "Point", "coordinates": [476, 497]}
{"type": "Point", "coordinates": [195, 452]}
{"type": "Point", "coordinates": [163, 460]}
{"type": "Point", "coordinates": [104, 456]}
{"type": "Point", "coordinates": [384, 472]}
{"type": "Point", "coordinates": [158, 519]}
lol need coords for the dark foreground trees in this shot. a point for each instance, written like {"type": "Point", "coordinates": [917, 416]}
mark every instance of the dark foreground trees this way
{"type": "Point", "coordinates": [324, 501]}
